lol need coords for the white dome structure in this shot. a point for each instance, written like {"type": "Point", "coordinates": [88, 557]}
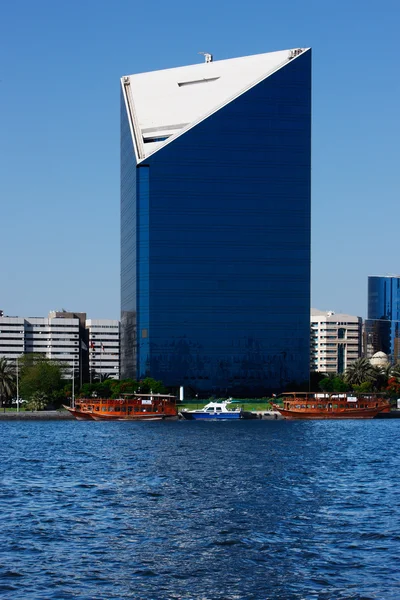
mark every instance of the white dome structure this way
{"type": "Point", "coordinates": [379, 359]}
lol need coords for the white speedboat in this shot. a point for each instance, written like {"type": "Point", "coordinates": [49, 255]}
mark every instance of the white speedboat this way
{"type": "Point", "coordinates": [213, 411]}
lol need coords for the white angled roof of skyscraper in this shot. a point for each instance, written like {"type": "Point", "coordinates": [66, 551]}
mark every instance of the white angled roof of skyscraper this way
{"type": "Point", "coordinates": [165, 103]}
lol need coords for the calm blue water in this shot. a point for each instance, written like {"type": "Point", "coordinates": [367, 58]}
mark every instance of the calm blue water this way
{"type": "Point", "coordinates": [187, 510]}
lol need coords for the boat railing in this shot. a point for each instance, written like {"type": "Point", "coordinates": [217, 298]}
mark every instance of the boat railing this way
{"type": "Point", "coordinates": [131, 403]}
{"type": "Point", "coordinates": [304, 396]}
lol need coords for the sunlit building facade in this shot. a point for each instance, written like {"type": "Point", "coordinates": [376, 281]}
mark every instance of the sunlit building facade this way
{"type": "Point", "coordinates": [336, 341]}
{"type": "Point", "coordinates": [57, 337]}
{"type": "Point", "coordinates": [89, 346]}
{"type": "Point", "coordinates": [215, 223]}
{"type": "Point", "coordinates": [103, 348]}
{"type": "Point", "coordinates": [382, 331]}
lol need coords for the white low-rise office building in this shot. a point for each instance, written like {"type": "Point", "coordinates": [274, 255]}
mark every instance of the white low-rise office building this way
{"type": "Point", "coordinates": [56, 338]}
{"type": "Point", "coordinates": [91, 346]}
{"type": "Point", "coordinates": [104, 340]}
{"type": "Point", "coordinates": [336, 341]}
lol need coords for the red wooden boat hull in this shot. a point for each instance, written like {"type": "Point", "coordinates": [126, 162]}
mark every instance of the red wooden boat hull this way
{"type": "Point", "coordinates": [140, 417]}
{"type": "Point", "coordinates": [80, 415]}
{"type": "Point", "coordinates": [361, 413]}
{"type": "Point", "coordinates": [135, 407]}
{"type": "Point", "coordinates": [311, 405]}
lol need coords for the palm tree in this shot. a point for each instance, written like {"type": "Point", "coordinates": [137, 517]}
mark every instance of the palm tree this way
{"type": "Point", "coordinates": [102, 376]}
{"type": "Point", "coordinates": [384, 374]}
{"type": "Point", "coordinates": [37, 401]}
{"type": "Point", "coordinates": [7, 379]}
{"type": "Point", "coordinates": [361, 371]}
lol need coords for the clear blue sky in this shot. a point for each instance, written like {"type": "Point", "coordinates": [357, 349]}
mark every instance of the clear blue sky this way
{"type": "Point", "coordinates": [60, 64]}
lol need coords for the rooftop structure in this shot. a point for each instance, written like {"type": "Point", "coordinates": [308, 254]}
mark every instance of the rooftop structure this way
{"type": "Point", "coordinates": [166, 104]}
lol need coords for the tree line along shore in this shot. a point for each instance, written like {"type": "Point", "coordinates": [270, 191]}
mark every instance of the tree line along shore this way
{"type": "Point", "coordinates": [37, 383]}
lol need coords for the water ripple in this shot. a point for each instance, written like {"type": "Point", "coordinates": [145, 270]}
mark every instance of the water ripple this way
{"type": "Point", "coordinates": [252, 510]}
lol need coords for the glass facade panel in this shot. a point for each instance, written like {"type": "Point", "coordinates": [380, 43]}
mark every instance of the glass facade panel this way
{"type": "Point", "coordinates": [382, 326]}
{"type": "Point", "coordinates": [143, 264]}
{"type": "Point", "coordinates": [222, 245]}
{"type": "Point", "coordinates": [128, 248]}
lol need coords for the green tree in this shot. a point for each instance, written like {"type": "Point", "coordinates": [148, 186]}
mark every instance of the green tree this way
{"type": "Point", "coordinates": [333, 383]}
{"type": "Point", "coordinates": [38, 401]}
{"type": "Point", "coordinates": [114, 388]}
{"type": "Point", "coordinates": [7, 380]}
{"type": "Point", "coordinates": [126, 386]}
{"type": "Point", "coordinates": [339, 385]}
{"type": "Point", "coordinates": [384, 373]}
{"type": "Point", "coordinates": [315, 380]}
{"type": "Point", "coordinates": [87, 390]}
{"type": "Point", "coordinates": [97, 390]}
{"type": "Point", "coordinates": [103, 389]}
{"type": "Point", "coordinates": [364, 388]}
{"type": "Point", "coordinates": [63, 395]}
{"type": "Point", "coordinates": [40, 374]}
{"type": "Point", "coordinates": [326, 384]}
{"type": "Point", "coordinates": [361, 371]}
{"type": "Point", "coordinates": [149, 384]}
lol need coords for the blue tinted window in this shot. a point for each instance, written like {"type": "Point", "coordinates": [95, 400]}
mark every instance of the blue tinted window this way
{"type": "Point", "coordinates": [382, 325]}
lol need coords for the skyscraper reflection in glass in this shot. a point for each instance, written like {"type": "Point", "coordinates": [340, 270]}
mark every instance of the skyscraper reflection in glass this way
{"type": "Point", "coordinates": [215, 223]}
{"type": "Point", "coordinates": [382, 326]}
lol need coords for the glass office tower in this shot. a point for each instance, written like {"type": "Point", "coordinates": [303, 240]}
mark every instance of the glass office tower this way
{"type": "Point", "coordinates": [382, 326]}
{"type": "Point", "coordinates": [215, 224]}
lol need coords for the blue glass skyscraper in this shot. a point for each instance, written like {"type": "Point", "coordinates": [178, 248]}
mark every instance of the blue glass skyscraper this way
{"type": "Point", "coordinates": [215, 223]}
{"type": "Point", "coordinates": [382, 326]}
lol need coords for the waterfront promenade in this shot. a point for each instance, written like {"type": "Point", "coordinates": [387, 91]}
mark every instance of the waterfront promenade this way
{"type": "Point", "coordinates": [63, 415]}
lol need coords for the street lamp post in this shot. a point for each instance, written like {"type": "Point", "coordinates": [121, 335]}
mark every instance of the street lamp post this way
{"type": "Point", "coordinates": [17, 388]}
{"type": "Point", "coordinates": [73, 382]}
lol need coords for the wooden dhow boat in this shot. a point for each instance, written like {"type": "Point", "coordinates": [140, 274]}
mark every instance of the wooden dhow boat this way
{"type": "Point", "coordinates": [308, 405]}
{"type": "Point", "coordinates": [131, 407]}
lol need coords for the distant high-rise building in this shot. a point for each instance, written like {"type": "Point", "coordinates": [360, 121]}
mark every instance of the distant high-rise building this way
{"type": "Point", "coordinates": [335, 341]}
{"type": "Point", "coordinates": [215, 223]}
{"type": "Point", "coordinates": [382, 331]}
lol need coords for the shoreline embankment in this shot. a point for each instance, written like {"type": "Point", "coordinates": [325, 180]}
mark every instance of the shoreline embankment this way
{"type": "Point", "coordinates": [36, 415]}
